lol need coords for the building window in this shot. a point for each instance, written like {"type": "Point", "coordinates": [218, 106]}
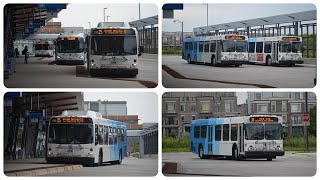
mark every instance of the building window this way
{"type": "Point", "coordinates": [94, 106]}
{"type": "Point", "coordinates": [296, 120]}
{"type": "Point", "coordinates": [258, 96]}
{"type": "Point", "coordinates": [205, 107]}
{"type": "Point", "coordinates": [296, 95]}
{"type": "Point", "coordinates": [273, 106]}
{"type": "Point", "coordinates": [284, 118]}
{"type": "Point", "coordinates": [193, 107]}
{"type": "Point", "coordinates": [296, 107]}
{"type": "Point", "coordinates": [262, 108]}
{"type": "Point", "coordinates": [284, 106]}
{"type": "Point", "coordinates": [182, 107]}
{"type": "Point", "coordinates": [131, 121]}
{"type": "Point", "coordinates": [229, 106]}
{"type": "Point", "coordinates": [182, 118]}
{"type": "Point", "coordinates": [193, 117]}
{"type": "Point", "coordinates": [171, 107]}
{"type": "Point", "coordinates": [171, 121]}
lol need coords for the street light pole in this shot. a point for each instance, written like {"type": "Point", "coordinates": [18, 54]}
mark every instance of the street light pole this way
{"type": "Point", "coordinates": [207, 13]}
{"type": "Point", "coordinates": [181, 31]}
{"type": "Point", "coordinates": [139, 12]}
{"type": "Point", "coordinates": [107, 18]}
{"type": "Point", "coordinates": [104, 15]}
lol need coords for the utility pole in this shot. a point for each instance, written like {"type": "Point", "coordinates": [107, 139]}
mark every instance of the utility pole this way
{"type": "Point", "coordinates": [305, 124]}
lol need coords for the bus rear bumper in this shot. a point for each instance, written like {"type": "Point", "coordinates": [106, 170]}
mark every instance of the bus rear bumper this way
{"type": "Point", "coordinates": [70, 160]}
{"type": "Point", "coordinates": [114, 71]}
{"type": "Point", "coordinates": [287, 62]}
{"type": "Point", "coordinates": [263, 154]}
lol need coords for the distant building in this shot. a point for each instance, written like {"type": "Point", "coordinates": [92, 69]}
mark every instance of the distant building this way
{"type": "Point", "coordinates": [290, 105]}
{"type": "Point", "coordinates": [74, 30]}
{"type": "Point", "coordinates": [173, 40]}
{"type": "Point", "coordinates": [179, 108]}
{"type": "Point", "coordinates": [130, 120]}
{"type": "Point", "coordinates": [106, 108]}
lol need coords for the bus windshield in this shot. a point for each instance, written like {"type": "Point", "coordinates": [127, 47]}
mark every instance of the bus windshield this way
{"type": "Point", "coordinates": [71, 134]}
{"type": "Point", "coordinates": [254, 132]}
{"type": "Point", "coordinates": [285, 47]}
{"type": "Point", "coordinates": [228, 46]}
{"type": "Point", "coordinates": [67, 46]}
{"type": "Point", "coordinates": [41, 46]}
{"type": "Point", "coordinates": [113, 45]}
{"type": "Point", "coordinates": [296, 47]}
{"type": "Point", "coordinates": [241, 46]}
{"type": "Point", "coordinates": [273, 131]}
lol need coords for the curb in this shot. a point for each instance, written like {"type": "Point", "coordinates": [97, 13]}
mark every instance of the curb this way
{"type": "Point", "coordinates": [172, 168]}
{"type": "Point", "coordinates": [43, 171]}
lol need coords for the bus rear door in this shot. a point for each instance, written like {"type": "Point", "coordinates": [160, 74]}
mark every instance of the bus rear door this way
{"type": "Point", "coordinates": [195, 51]}
{"type": "Point", "coordinates": [218, 52]}
{"type": "Point", "coordinates": [210, 140]}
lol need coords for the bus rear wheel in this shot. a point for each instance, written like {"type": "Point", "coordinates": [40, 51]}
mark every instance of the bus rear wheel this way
{"type": "Point", "coordinates": [269, 158]}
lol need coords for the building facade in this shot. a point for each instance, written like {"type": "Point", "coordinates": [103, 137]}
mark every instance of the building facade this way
{"type": "Point", "coordinates": [179, 108]}
{"type": "Point", "coordinates": [107, 108]}
{"type": "Point", "coordinates": [173, 40]}
{"type": "Point", "coordinates": [290, 105]}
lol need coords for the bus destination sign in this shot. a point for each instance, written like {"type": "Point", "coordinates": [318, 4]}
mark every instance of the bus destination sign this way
{"type": "Point", "coordinates": [71, 120]}
{"type": "Point", "coordinates": [67, 38]}
{"type": "Point", "coordinates": [235, 37]}
{"type": "Point", "coordinates": [113, 32]}
{"type": "Point", "coordinates": [42, 42]}
{"type": "Point", "coordinates": [290, 39]}
{"type": "Point", "coordinates": [263, 119]}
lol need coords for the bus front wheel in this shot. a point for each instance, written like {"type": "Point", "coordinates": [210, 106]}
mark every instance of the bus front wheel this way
{"type": "Point", "coordinates": [269, 158]}
{"type": "Point", "coordinates": [100, 159]}
{"type": "Point", "coordinates": [189, 59]}
{"type": "Point", "coordinates": [268, 61]}
{"type": "Point", "coordinates": [201, 155]}
{"type": "Point", "coordinates": [235, 153]}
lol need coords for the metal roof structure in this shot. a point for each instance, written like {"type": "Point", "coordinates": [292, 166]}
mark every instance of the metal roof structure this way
{"type": "Point", "coordinates": [20, 14]}
{"type": "Point", "coordinates": [152, 128]}
{"type": "Point", "coordinates": [145, 22]}
{"type": "Point", "coordinates": [278, 19]}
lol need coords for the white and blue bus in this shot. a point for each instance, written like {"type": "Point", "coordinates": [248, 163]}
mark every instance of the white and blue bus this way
{"type": "Point", "coordinates": [278, 50]}
{"type": "Point", "coordinates": [113, 49]}
{"type": "Point", "coordinates": [71, 49]}
{"type": "Point", "coordinates": [86, 138]}
{"type": "Point", "coordinates": [44, 48]}
{"type": "Point", "coordinates": [216, 50]}
{"type": "Point", "coordinates": [238, 137]}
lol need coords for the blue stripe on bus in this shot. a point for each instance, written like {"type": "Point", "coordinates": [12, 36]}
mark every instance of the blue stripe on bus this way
{"type": "Point", "coordinates": [252, 39]}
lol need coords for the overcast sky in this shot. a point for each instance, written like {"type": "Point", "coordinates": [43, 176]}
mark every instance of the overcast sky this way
{"type": "Point", "coordinates": [195, 15]}
{"type": "Point", "coordinates": [143, 104]}
{"type": "Point", "coordinates": [78, 15]}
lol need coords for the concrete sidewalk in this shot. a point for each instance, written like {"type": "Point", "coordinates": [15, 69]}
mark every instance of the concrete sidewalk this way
{"type": "Point", "coordinates": [35, 167]}
{"type": "Point", "coordinates": [149, 57]}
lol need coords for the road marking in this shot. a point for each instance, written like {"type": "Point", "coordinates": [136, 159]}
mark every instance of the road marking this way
{"type": "Point", "coordinates": [177, 75]}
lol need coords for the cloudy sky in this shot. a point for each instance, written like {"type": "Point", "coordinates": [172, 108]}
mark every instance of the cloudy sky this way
{"type": "Point", "coordinates": [143, 104]}
{"type": "Point", "coordinates": [195, 15]}
{"type": "Point", "coordinates": [78, 15]}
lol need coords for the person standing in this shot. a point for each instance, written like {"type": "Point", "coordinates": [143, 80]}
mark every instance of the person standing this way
{"type": "Point", "coordinates": [25, 52]}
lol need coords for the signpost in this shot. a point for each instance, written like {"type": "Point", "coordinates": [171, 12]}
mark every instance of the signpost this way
{"type": "Point", "coordinates": [306, 123]}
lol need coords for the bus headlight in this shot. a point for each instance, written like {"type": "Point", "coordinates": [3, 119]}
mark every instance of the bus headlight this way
{"type": "Point", "coordinates": [225, 58]}
{"type": "Point", "coordinates": [282, 58]}
{"type": "Point", "coordinates": [81, 57]}
{"type": "Point", "coordinates": [58, 57]}
{"type": "Point", "coordinates": [93, 65]}
{"type": "Point", "coordinates": [250, 148]}
{"type": "Point", "coordinates": [134, 65]}
{"type": "Point", "coordinates": [278, 148]}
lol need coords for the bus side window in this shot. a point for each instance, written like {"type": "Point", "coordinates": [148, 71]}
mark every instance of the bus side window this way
{"type": "Point", "coordinates": [110, 136]}
{"type": "Point", "coordinates": [115, 136]}
{"type": "Point", "coordinates": [217, 133]}
{"type": "Point", "coordinates": [203, 131]}
{"type": "Point", "coordinates": [267, 47]}
{"type": "Point", "coordinates": [200, 46]}
{"type": "Point", "coordinates": [259, 47]}
{"type": "Point", "coordinates": [100, 139]}
{"type": "Point", "coordinates": [196, 132]}
{"type": "Point", "coordinates": [119, 134]}
{"type": "Point", "coordinates": [206, 47]}
{"type": "Point", "coordinates": [252, 46]}
{"type": "Point", "coordinates": [106, 136]}
{"type": "Point", "coordinates": [213, 47]}
{"type": "Point", "coordinates": [234, 132]}
{"type": "Point", "coordinates": [225, 132]}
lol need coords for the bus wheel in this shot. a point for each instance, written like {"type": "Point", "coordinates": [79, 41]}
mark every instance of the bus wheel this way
{"type": "Point", "coordinates": [100, 159]}
{"type": "Point", "coordinates": [237, 65]}
{"type": "Point", "coordinates": [269, 158]}
{"type": "Point", "coordinates": [201, 152]}
{"type": "Point", "coordinates": [235, 155]}
{"type": "Point", "coordinates": [268, 61]}
{"type": "Point", "coordinates": [213, 61]}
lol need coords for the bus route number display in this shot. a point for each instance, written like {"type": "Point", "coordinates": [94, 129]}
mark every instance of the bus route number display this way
{"type": "Point", "coordinates": [291, 39]}
{"type": "Point", "coordinates": [70, 120]}
{"type": "Point", "coordinates": [42, 42]}
{"type": "Point", "coordinates": [113, 32]}
{"type": "Point", "coordinates": [263, 119]}
{"type": "Point", "coordinates": [235, 37]}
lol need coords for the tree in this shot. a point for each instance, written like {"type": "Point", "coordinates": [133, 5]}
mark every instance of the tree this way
{"type": "Point", "coordinates": [313, 121]}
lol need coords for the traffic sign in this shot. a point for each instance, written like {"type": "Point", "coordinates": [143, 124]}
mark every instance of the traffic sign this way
{"type": "Point", "coordinates": [306, 117]}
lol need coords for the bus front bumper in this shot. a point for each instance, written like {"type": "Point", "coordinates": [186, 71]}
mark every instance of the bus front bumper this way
{"type": "Point", "coordinates": [65, 61]}
{"type": "Point", "coordinates": [233, 62]}
{"type": "Point", "coordinates": [263, 154]}
{"type": "Point", "coordinates": [113, 71]}
{"type": "Point", "coordinates": [71, 160]}
{"type": "Point", "coordinates": [287, 62]}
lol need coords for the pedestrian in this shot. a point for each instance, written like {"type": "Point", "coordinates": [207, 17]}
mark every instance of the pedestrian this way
{"type": "Point", "coordinates": [17, 52]}
{"type": "Point", "coordinates": [25, 52]}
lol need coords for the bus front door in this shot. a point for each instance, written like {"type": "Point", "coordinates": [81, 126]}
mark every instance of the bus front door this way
{"type": "Point", "coordinates": [275, 47]}
{"type": "Point", "coordinates": [195, 51]}
{"type": "Point", "coordinates": [241, 138]}
{"type": "Point", "coordinates": [210, 140]}
{"type": "Point", "coordinates": [218, 51]}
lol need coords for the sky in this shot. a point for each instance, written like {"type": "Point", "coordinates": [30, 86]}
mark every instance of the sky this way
{"type": "Point", "coordinates": [143, 104]}
{"type": "Point", "coordinates": [195, 15]}
{"type": "Point", "coordinates": [78, 15]}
